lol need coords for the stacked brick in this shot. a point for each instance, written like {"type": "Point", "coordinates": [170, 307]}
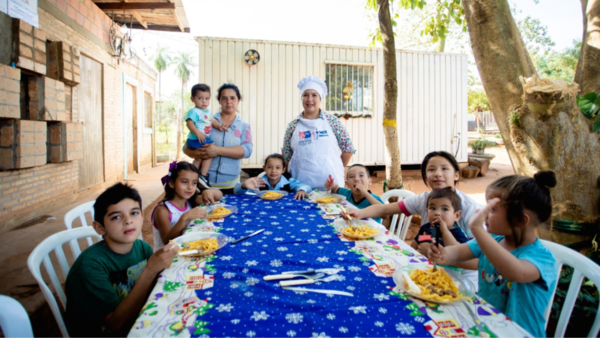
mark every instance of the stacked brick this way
{"type": "Point", "coordinates": [46, 99]}
{"type": "Point", "coordinates": [9, 92]}
{"type": "Point", "coordinates": [22, 144]}
{"type": "Point", "coordinates": [65, 142]}
{"type": "Point", "coordinates": [29, 50]}
{"type": "Point", "coordinates": [63, 62]}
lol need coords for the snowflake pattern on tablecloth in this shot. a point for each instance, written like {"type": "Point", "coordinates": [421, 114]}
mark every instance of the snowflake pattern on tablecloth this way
{"type": "Point", "coordinates": [241, 304]}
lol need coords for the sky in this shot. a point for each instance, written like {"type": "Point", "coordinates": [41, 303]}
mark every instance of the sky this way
{"type": "Point", "coordinates": [340, 22]}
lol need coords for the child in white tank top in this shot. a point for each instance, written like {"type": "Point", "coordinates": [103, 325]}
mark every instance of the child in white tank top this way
{"type": "Point", "coordinates": [170, 217]}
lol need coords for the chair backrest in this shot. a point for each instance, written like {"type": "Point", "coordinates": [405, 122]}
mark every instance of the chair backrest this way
{"type": "Point", "coordinates": [582, 267]}
{"type": "Point", "coordinates": [79, 212]}
{"type": "Point", "coordinates": [398, 220]}
{"type": "Point", "coordinates": [14, 319]}
{"type": "Point", "coordinates": [41, 253]}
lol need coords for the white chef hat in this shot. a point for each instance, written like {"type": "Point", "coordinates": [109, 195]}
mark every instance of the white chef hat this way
{"type": "Point", "coordinates": [315, 83]}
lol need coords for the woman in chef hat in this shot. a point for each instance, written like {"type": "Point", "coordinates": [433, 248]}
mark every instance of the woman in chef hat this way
{"type": "Point", "coordinates": [316, 144]}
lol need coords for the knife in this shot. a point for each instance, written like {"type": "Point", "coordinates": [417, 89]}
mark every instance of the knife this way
{"type": "Point", "coordinates": [332, 292]}
{"type": "Point", "coordinates": [329, 271]}
{"type": "Point", "coordinates": [246, 237]}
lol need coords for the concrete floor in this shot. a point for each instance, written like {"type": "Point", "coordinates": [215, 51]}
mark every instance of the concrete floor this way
{"type": "Point", "coordinates": [16, 245]}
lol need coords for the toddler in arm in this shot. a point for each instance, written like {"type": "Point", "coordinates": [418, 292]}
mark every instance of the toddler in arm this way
{"type": "Point", "coordinates": [200, 122]}
{"type": "Point", "coordinates": [517, 273]}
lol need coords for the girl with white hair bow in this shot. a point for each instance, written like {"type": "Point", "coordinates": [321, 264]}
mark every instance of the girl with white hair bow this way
{"type": "Point", "coordinates": [316, 144]}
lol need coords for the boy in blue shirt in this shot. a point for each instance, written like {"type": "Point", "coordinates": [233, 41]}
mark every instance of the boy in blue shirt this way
{"type": "Point", "coordinates": [358, 179]}
{"type": "Point", "coordinates": [111, 280]}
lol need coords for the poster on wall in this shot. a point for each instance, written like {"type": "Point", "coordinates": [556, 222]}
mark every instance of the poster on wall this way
{"type": "Point", "coordinates": [3, 6]}
{"type": "Point", "coordinates": [26, 10]}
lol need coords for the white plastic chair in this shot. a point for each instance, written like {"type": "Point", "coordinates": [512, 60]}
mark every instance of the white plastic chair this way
{"type": "Point", "coordinates": [41, 253]}
{"type": "Point", "coordinates": [399, 220]}
{"type": "Point", "coordinates": [583, 267]}
{"type": "Point", "coordinates": [79, 212]}
{"type": "Point", "coordinates": [14, 319]}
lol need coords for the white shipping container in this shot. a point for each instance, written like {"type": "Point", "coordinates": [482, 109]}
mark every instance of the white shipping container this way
{"type": "Point", "coordinates": [432, 94]}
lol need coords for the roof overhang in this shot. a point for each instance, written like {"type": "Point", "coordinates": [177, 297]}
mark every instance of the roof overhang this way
{"type": "Point", "coordinates": [160, 15]}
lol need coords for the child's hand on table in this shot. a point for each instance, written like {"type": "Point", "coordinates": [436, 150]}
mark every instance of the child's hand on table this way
{"type": "Point", "coordinates": [162, 258]}
{"type": "Point", "coordinates": [436, 253]}
{"type": "Point", "coordinates": [300, 195]}
{"type": "Point", "coordinates": [423, 248]}
{"type": "Point", "coordinates": [210, 196]}
{"type": "Point", "coordinates": [194, 213]}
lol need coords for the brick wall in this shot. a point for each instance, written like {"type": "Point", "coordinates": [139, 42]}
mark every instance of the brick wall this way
{"type": "Point", "coordinates": [9, 92]}
{"type": "Point", "coordinates": [87, 14]}
{"type": "Point", "coordinates": [29, 47]}
{"type": "Point", "coordinates": [29, 193]}
{"type": "Point", "coordinates": [22, 144]}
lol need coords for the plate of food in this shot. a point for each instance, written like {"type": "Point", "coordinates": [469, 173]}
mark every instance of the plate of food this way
{"type": "Point", "coordinates": [357, 229]}
{"type": "Point", "coordinates": [325, 198]}
{"type": "Point", "coordinates": [272, 195]}
{"type": "Point", "coordinates": [220, 211]}
{"type": "Point", "coordinates": [443, 286]}
{"type": "Point", "coordinates": [200, 243]}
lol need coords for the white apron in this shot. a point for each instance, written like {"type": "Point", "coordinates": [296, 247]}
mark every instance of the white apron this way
{"type": "Point", "coordinates": [316, 154]}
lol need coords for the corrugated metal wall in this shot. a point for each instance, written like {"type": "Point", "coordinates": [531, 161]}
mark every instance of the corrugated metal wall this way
{"type": "Point", "coordinates": [432, 95]}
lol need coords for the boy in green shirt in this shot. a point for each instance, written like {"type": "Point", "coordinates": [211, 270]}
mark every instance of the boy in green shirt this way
{"type": "Point", "coordinates": [110, 281]}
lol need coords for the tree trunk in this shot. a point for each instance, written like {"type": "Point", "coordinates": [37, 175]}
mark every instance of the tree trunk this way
{"type": "Point", "coordinates": [390, 96]}
{"type": "Point", "coordinates": [547, 131]}
{"type": "Point", "coordinates": [588, 67]}
{"type": "Point", "coordinates": [179, 125]}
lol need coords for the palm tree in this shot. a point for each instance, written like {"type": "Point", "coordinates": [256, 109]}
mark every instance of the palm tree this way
{"type": "Point", "coordinates": [183, 62]}
{"type": "Point", "coordinates": [162, 60]}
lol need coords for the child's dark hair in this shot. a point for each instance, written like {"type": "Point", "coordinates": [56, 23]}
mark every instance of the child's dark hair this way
{"type": "Point", "coordinates": [433, 154]}
{"type": "Point", "coordinates": [448, 193]}
{"type": "Point", "coordinates": [229, 86]}
{"type": "Point", "coordinates": [111, 196]}
{"type": "Point", "coordinates": [174, 169]}
{"type": "Point", "coordinates": [359, 166]}
{"type": "Point", "coordinates": [200, 87]}
{"type": "Point", "coordinates": [277, 156]}
{"type": "Point", "coordinates": [518, 193]}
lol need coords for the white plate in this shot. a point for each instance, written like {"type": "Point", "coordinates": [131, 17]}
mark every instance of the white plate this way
{"type": "Point", "coordinates": [210, 209]}
{"type": "Point", "coordinates": [262, 192]}
{"type": "Point", "coordinates": [341, 224]}
{"type": "Point", "coordinates": [221, 240]}
{"type": "Point", "coordinates": [464, 285]}
{"type": "Point", "coordinates": [317, 195]}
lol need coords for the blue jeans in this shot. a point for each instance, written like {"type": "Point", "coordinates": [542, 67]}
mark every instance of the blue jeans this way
{"type": "Point", "coordinates": [195, 144]}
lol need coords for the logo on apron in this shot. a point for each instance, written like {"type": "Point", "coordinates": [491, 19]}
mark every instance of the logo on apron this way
{"type": "Point", "coordinates": [306, 136]}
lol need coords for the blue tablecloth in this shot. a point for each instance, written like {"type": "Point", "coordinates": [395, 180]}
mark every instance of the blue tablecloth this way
{"type": "Point", "coordinates": [297, 237]}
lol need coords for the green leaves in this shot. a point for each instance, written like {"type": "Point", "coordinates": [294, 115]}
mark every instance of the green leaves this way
{"type": "Point", "coordinates": [589, 105]}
